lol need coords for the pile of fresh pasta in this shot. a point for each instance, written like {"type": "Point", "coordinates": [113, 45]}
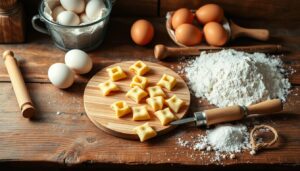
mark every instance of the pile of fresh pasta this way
{"type": "Point", "coordinates": [139, 91]}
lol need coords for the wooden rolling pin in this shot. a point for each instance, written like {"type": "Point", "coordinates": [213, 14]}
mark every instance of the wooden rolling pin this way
{"type": "Point", "coordinates": [232, 113]}
{"type": "Point", "coordinates": [162, 51]}
{"type": "Point", "coordinates": [18, 84]}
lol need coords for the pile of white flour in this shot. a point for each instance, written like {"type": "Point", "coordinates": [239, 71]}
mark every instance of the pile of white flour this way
{"type": "Point", "coordinates": [229, 138]}
{"type": "Point", "coordinates": [232, 77]}
{"type": "Point", "coordinates": [224, 140]}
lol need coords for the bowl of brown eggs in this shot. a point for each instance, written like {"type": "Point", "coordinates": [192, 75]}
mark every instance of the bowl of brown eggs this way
{"type": "Point", "coordinates": [207, 25]}
{"type": "Point", "coordinates": [190, 27]}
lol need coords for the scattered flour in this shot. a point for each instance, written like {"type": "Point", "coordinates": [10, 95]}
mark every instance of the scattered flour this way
{"type": "Point", "coordinates": [231, 77]}
{"type": "Point", "coordinates": [224, 141]}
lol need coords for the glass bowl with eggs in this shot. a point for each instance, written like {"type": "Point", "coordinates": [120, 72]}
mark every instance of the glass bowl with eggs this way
{"type": "Point", "coordinates": [76, 24]}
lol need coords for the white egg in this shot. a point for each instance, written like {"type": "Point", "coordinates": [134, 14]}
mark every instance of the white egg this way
{"type": "Point", "coordinates": [76, 6]}
{"type": "Point", "coordinates": [68, 18]}
{"type": "Point", "coordinates": [93, 8]}
{"type": "Point", "coordinates": [60, 75]}
{"type": "Point", "coordinates": [84, 18]}
{"type": "Point", "coordinates": [79, 61]}
{"type": "Point", "coordinates": [57, 10]}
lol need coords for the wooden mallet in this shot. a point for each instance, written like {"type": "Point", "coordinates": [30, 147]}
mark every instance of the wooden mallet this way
{"type": "Point", "coordinates": [162, 51]}
{"type": "Point", "coordinates": [18, 84]}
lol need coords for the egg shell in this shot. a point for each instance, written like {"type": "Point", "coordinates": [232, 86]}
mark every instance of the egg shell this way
{"type": "Point", "coordinates": [93, 8]}
{"type": "Point", "coordinates": [60, 75]}
{"type": "Point", "coordinates": [68, 18]}
{"type": "Point", "coordinates": [52, 3]}
{"type": "Point", "coordinates": [209, 13]}
{"type": "Point", "coordinates": [57, 10]}
{"type": "Point", "coordinates": [78, 61]}
{"type": "Point", "coordinates": [76, 6]}
{"type": "Point", "coordinates": [84, 18]}
{"type": "Point", "coordinates": [182, 16]}
{"type": "Point", "coordinates": [215, 34]}
{"type": "Point", "coordinates": [142, 32]}
{"type": "Point", "coordinates": [188, 34]}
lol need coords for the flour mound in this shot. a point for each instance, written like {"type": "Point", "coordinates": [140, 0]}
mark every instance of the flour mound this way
{"type": "Point", "coordinates": [229, 138]}
{"type": "Point", "coordinates": [232, 77]}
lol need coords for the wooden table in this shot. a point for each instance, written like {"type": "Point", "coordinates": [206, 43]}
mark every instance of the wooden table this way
{"type": "Point", "coordinates": [71, 139]}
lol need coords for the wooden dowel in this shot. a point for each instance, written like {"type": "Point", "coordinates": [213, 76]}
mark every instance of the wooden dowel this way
{"type": "Point", "coordinates": [18, 84]}
{"type": "Point", "coordinates": [162, 51]}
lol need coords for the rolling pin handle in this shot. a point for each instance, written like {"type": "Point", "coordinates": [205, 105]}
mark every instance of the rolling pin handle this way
{"type": "Point", "coordinates": [160, 51]}
{"type": "Point", "coordinates": [7, 53]}
{"type": "Point", "coordinates": [27, 110]}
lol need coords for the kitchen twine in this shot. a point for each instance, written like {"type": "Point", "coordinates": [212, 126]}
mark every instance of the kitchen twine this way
{"type": "Point", "coordinates": [258, 146]}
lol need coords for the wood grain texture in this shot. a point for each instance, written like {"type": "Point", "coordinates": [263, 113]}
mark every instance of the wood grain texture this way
{"type": "Point", "coordinates": [143, 8]}
{"type": "Point", "coordinates": [12, 26]}
{"type": "Point", "coordinates": [70, 138]}
{"type": "Point", "coordinates": [7, 4]}
{"type": "Point", "coordinates": [39, 53]}
{"type": "Point", "coordinates": [98, 107]}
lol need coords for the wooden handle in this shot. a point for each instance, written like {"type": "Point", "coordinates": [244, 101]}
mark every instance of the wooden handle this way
{"type": "Point", "coordinates": [233, 113]}
{"type": "Point", "coordinates": [269, 106]}
{"type": "Point", "coordinates": [238, 31]}
{"type": "Point", "coordinates": [221, 115]}
{"type": "Point", "coordinates": [258, 34]}
{"type": "Point", "coordinates": [162, 51]}
{"type": "Point", "coordinates": [18, 84]}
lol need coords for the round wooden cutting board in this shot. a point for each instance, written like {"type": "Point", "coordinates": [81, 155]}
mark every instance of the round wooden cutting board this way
{"type": "Point", "coordinates": [100, 113]}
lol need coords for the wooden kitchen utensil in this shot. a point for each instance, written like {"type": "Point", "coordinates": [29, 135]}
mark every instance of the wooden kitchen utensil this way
{"type": "Point", "coordinates": [162, 51]}
{"type": "Point", "coordinates": [12, 22]}
{"type": "Point", "coordinates": [100, 113]}
{"type": "Point", "coordinates": [232, 113]}
{"type": "Point", "coordinates": [234, 31]}
{"type": "Point", "coordinates": [18, 84]}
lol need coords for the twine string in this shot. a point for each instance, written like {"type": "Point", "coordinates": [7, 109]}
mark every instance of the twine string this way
{"type": "Point", "coordinates": [260, 145]}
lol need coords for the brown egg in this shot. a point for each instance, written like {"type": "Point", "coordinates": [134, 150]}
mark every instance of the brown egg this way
{"type": "Point", "coordinates": [182, 16]}
{"type": "Point", "coordinates": [142, 32]}
{"type": "Point", "coordinates": [215, 34]}
{"type": "Point", "coordinates": [209, 13]}
{"type": "Point", "coordinates": [188, 34]}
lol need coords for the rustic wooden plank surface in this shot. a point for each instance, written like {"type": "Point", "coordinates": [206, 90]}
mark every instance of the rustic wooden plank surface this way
{"type": "Point", "coordinates": [70, 138]}
{"type": "Point", "coordinates": [39, 53]}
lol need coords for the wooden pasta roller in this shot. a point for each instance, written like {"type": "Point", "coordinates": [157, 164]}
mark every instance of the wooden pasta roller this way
{"type": "Point", "coordinates": [18, 84]}
{"type": "Point", "coordinates": [232, 113]}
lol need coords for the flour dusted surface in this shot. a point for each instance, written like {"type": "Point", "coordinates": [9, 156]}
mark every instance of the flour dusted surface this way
{"type": "Point", "coordinates": [231, 77]}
